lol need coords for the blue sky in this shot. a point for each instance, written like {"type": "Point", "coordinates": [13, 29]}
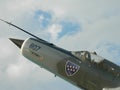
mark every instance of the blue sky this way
{"type": "Point", "coordinates": [43, 17]}
{"type": "Point", "coordinates": [70, 24]}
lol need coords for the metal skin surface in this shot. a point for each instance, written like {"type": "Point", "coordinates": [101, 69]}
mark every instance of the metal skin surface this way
{"type": "Point", "coordinates": [81, 68]}
{"type": "Point", "coordinates": [88, 75]}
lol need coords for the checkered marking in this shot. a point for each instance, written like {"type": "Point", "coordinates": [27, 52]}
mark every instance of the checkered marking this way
{"type": "Point", "coordinates": [71, 68]}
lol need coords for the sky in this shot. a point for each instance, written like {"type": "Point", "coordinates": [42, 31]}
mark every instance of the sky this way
{"type": "Point", "coordinates": [74, 25]}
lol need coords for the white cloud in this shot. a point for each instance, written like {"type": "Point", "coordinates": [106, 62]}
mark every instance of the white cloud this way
{"type": "Point", "coordinates": [8, 51]}
{"type": "Point", "coordinates": [54, 30]}
{"type": "Point", "coordinates": [93, 34]}
{"type": "Point", "coordinates": [41, 18]}
{"type": "Point", "coordinates": [14, 71]}
{"type": "Point", "coordinates": [99, 22]}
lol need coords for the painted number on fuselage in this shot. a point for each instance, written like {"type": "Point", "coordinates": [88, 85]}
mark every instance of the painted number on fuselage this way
{"type": "Point", "coordinates": [34, 47]}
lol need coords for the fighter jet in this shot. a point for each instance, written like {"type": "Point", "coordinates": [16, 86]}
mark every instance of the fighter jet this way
{"type": "Point", "coordinates": [84, 69]}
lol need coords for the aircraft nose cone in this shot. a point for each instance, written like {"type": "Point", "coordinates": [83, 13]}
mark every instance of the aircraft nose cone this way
{"type": "Point", "coordinates": [17, 42]}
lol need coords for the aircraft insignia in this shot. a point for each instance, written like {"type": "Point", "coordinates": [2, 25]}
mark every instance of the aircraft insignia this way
{"type": "Point", "coordinates": [71, 68]}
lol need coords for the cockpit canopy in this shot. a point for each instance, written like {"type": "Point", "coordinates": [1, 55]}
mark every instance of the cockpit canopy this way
{"type": "Point", "coordinates": [99, 61]}
{"type": "Point", "coordinates": [90, 56]}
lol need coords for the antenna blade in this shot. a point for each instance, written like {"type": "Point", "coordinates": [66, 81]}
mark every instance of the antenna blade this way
{"type": "Point", "coordinates": [22, 30]}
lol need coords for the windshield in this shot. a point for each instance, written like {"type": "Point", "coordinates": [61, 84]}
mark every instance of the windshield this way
{"type": "Point", "coordinates": [96, 58]}
{"type": "Point", "coordinates": [89, 56]}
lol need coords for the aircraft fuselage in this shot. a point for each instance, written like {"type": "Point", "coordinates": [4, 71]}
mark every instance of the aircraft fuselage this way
{"type": "Point", "coordinates": [62, 63]}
